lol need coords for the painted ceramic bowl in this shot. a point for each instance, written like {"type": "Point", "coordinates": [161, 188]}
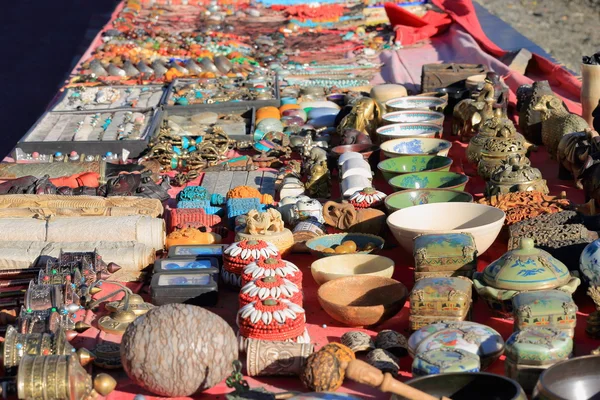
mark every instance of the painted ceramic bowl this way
{"type": "Point", "coordinates": [589, 263]}
{"type": "Point", "coordinates": [482, 221]}
{"type": "Point", "coordinates": [410, 198]}
{"type": "Point", "coordinates": [339, 266]}
{"type": "Point", "coordinates": [362, 240]}
{"type": "Point", "coordinates": [429, 180]}
{"type": "Point", "coordinates": [406, 164]}
{"type": "Point", "coordinates": [574, 379]}
{"type": "Point", "coordinates": [468, 385]}
{"type": "Point", "coordinates": [412, 116]}
{"type": "Point", "coordinates": [430, 103]}
{"type": "Point", "coordinates": [362, 300]}
{"type": "Point", "coordinates": [415, 147]}
{"type": "Point", "coordinates": [407, 130]}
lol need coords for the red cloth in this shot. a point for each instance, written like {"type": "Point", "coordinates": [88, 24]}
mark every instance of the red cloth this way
{"type": "Point", "coordinates": [411, 29]}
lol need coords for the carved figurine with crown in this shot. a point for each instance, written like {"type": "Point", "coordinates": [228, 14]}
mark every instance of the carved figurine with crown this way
{"type": "Point", "coordinates": [267, 226]}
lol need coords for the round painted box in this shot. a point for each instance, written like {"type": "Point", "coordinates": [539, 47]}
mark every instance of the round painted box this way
{"type": "Point", "coordinates": [441, 361]}
{"type": "Point", "coordinates": [463, 335]}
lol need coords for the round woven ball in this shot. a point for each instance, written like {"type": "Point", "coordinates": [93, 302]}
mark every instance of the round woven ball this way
{"type": "Point", "coordinates": [177, 350]}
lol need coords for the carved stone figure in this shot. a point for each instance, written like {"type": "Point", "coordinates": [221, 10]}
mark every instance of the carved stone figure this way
{"type": "Point", "coordinates": [557, 121]}
{"type": "Point", "coordinates": [347, 218]}
{"type": "Point", "coordinates": [576, 153]}
{"type": "Point", "coordinates": [262, 223]}
{"type": "Point", "coordinates": [319, 181]}
{"type": "Point", "coordinates": [353, 136]}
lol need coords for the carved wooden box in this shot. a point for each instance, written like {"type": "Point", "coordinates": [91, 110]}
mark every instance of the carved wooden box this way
{"type": "Point", "coordinates": [439, 299]}
{"type": "Point", "coordinates": [435, 76]}
{"type": "Point", "coordinates": [450, 254]}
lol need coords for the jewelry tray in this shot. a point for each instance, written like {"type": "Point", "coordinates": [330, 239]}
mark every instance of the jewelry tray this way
{"type": "Point", "coordinates": [239, 108]}
{"type": "Point", "coordinates": [178, 83]}
{"type": "Point", "coordinates": [35, 139]}
{"type": "Point", "coordinates": [159, 93]}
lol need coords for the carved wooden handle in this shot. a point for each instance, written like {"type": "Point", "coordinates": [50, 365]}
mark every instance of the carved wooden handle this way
{"type": "Point", "coordinates": [361, 372]}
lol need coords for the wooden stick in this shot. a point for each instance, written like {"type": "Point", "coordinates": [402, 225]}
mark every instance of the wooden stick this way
{"type": "Point", "coordinates": [361, 372]}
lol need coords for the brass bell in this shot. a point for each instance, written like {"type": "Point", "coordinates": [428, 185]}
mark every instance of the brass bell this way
{"type": "Point", "coordinates": [137, 305]}
{"type": "Point", "coordinates": [117, 322]}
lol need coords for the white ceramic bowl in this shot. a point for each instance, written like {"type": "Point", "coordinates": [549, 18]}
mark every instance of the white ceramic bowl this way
{"type": "Point", "coordinates": [482, 221]}
{"type": "Point", "coordinates": [409, 130]}
{"type": "Point", "coordinates": [329, 268]}
{"type": "Point", "coordinates": [412, 116]}
{"type": "Point", "coordinates": [415, 146]}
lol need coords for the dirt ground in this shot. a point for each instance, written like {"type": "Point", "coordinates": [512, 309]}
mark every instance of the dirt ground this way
{"type": "Point", "coordinates": [566, 29]}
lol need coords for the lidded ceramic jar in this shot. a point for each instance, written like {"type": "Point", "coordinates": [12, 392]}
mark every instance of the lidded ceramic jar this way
{"type": "Point", "coordinates": [464, 335]}
{"type": "Point", "coordinates": [440, 361]}
{"type": "Point", "coordinates": [515, 175]}
{"type": "Point", "coordinates": [530, 351]}
{"type": "Point", "coordinates": [497, 150]}
{"type": "Point", "coordinates": [545, 308]}
{"type": "Point", "coordinates": [524, 269]}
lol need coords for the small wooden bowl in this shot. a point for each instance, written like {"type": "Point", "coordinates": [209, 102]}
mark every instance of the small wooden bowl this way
{"type": "Point", "coordinates": [362, 300]}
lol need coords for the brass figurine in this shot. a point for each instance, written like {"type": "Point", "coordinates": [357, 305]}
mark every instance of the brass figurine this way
{"type": "Point", "coordinates": [365, 116]}
{"type": "Point", "coordinates": [319, 181]}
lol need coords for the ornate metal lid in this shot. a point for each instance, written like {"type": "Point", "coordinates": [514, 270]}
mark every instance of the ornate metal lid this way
{"type": "Point", "coordinates": [442, 289]}
{"type": "Point", "coordinates": [539, 346]}
{"type": "Point", "coordinates": [464, 335]}
{"type": "Point", "coordinates": [542, 303]}
{"type": "Point", "coordinates": [444, 360]}
{"type": "Point", "coordinates": [517, 169]}
{"type": "Point", "coordinates": [526, 268]}
{"type": "Point", "coordinates": [501, 147]}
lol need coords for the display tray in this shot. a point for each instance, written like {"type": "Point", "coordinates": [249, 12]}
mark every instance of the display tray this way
{"type": "Point", "coordinates": [61, 132]}
{"type": "Point", "coordinates": [237, 121]}
{"type": "Point", "coordinates": [103, 98]}
{"type": "Point", "coordinates": [211, 97]}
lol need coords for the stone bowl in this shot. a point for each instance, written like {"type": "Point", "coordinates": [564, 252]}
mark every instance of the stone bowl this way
{"type": "Point", "coordinates": [342, 265]}
{"type": "Point", "coordinates": [412, 116]}
{"type": "Point", "coordinates": [362, 300]}
{"type": "Point", "coordinates": [410, 198]}
{"type": "Point", "coordinates": [482, 221]}
{"type": "Point", "coordinates": [361, 240]}
{"type": "Point", "coordinates": [408, 130]}
{"type": "Point", "coordinates": [430, 103]}
{"type": "Point", "coordinates": [415, 147]}
{"type": "Point", "coordinates": [391, 167]}
{"type": "Point", "coordinates": [429, 180]}
{"type": "Point", "coordinates": [468, 386]}
{"type": "Point", "coordinates": [574, 379]}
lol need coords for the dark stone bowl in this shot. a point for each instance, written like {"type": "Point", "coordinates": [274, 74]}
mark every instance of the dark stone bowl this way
{"type": "Point", "coordinates": [468, 386]}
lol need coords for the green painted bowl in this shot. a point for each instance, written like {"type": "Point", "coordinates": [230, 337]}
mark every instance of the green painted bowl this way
{"type": "Point", "coordinates": [408, 198]}
{"type": "Point", "coordinates": [407, 164]}
{"type": "Point", "coordinates": [429, 180]}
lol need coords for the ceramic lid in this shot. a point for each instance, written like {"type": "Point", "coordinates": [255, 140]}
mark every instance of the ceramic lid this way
{"type": "Point", "coordinates": [589, 263]}
{"type": "Point", "coordinates": [544, 302]}
{"type": "Point", "coordinates": [445, 245]}
{"type": "Point", "coordinates": [464, 335]}
{"type": "Point", "coordinates": [538, 346]}
{"type": "Point", "coordinates": [445, 360]}
{"type": "Point", "coordinates": [442, 288]}
{"type": "Point", "coordinates": [526, 268]}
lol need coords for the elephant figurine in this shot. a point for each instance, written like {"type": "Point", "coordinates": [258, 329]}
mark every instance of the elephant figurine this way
{"type": "Point", "coordinates": [353, 136]}
{"type": "Point", "coordinates": [365, 117]}
{"type": "Point", "coordinates": [314, 156]}
{"type": "Point", "coordinates": [557, 121]}
{"type": "Point", "coordinates": [576, 153]}
{"type": "Point", "coordinates": [345, 217]}
{"type": "Point", "coordinates": [469, 115]}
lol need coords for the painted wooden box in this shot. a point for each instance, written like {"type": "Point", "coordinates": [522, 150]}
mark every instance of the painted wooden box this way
{"type": "Point", "coordinates": [436, 299]}
{"type": "Point", "coordinates": [440, 361]}
{"type": "Point", "coordinates": [450, 254]}
{"type": "Point", "coordinates": [545, 308]}
{"type": "Point", "coordinates": [532, 350]}
{"type": "Point", "coordinates": [464, 335]}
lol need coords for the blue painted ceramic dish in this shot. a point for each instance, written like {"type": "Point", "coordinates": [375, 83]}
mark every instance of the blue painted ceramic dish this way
{"type": "Point", "coordinates": [413, 129]}
{"type": "Point", "coordinates": [415, 146]}
{"type": "Point", "coordinates": [316, 245]}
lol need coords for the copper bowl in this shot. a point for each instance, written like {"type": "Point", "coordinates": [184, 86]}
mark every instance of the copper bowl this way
{"type": "Point", "coordinates": [574, 379]}
{"type": "Point", "coordinates": [362, 300]}
{"type": "Point", "coordinates": [365, 149]}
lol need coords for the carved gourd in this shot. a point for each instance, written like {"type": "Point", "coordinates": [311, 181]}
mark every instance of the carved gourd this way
{"type": "Point", "coordinates": [323, 372]}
